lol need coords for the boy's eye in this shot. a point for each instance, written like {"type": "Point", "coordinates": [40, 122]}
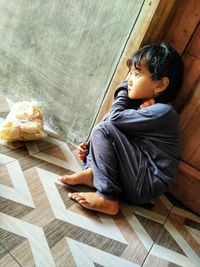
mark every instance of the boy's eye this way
{"type": "Point", "coordinates": [136, 73]}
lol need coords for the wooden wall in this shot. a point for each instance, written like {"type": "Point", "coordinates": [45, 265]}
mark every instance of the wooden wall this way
{"type": "Point", "coordinates": [175, 22]}
{"type": "Point", "coordinates": [182, 30]}
{"type": "Point", "coordinates": [188, 103]}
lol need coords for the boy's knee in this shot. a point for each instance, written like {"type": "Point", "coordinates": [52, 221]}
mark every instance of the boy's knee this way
{"type": "Point", "coordinates": [102, 129]}
{"type": "Point", "coordinates": [97, 132]}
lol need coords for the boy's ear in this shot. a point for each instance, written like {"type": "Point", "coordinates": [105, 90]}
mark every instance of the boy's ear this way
{"type": "Point", "coordinates": [162, 84]}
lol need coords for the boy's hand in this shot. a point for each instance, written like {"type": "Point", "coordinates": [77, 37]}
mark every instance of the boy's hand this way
{"type": "Point", "coordinates": [83, 151]}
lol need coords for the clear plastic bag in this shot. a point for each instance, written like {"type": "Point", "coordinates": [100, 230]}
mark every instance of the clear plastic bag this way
{"type": "Point", "coordinates": [24, 122]}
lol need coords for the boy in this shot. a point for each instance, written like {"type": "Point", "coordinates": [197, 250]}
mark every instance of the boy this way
{"type": "Point", "coordinates": [133, 153]}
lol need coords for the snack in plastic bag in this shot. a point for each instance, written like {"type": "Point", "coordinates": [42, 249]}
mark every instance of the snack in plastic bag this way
{"type": "Point", "coordinates": [24, 123]}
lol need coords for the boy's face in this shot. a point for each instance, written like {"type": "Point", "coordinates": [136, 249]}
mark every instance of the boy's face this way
{"type": "Point", "coordinates": [140, 83]}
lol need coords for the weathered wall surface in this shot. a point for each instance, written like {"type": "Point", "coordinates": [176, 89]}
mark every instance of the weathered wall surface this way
{"type": "Point", "coordinates": [63, 54]}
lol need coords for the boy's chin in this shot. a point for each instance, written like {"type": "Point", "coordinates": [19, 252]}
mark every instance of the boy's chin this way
{"type": "Point", "coordinates": [132, 97]}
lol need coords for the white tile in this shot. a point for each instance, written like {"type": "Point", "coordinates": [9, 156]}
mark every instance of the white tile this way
{"type": "Point", "coordinates": [186, 214]}
{"type": "Point", "coordinates": [20, 192]}
{"type": "Point", "coordinates": [142, 234]}
{"type": "Point", "coordinates": [35, 235]}
{"type": "Point", "coordinates": [153, 216]}
{"type": "Point", "coordinates": [106, 227]}
{"type": "Point", "coordinates": [191, 254]}
{"type": "Point", "coordinates": [171, 256]}
{"type": "Point", "coordinates": [85, 255]}
{"type": "Point", "coordinates": [194, 233]}
{"type": "Point", "coordinates": [70, 162]}
{"type": "Point", "coordinates": [5, 159]}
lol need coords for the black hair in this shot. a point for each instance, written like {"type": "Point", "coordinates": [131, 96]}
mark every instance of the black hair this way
{"type": "Point", "coordinates": [162, 61]}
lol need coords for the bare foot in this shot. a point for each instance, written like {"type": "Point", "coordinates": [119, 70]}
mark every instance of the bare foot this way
{"type": "Point", "coordinates": [83, 177]}
{"type": "Point", "coordinates": [93, 201]}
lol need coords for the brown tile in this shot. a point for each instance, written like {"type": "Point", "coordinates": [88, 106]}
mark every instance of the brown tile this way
{"type": "Point", "coordinates": [156, 211]}
{"type": "Point", "coordinates": [23, 254]}
{"type": "Point", "coordinates": [175, 245]}
{"type": "Point", "coordinates": [158, 262]}
{"type": "Point", "coordinates": [42, 213]}
{"type": "Point", "coordinates": [153, 228]}
{"type": "Point", "coordinates": [166, 240]}
{"type": "Point", "coordinates": [150, 218]}
{"type": "Point", "coordinates": [9, 261]}
{"type": "Point", "coordinates": [3, 251]}
{"type": "Point", "coordinates": [162, 206]}
{"type": "Point", "coordinates": [135, 251]}
{"type": "Point", "coordinates": [9, 241]}
{"type": "Point", "coordinates": [63, 193]}
{"type": "Point", "coordinates": [14, 209]}
{"type": "Point", "coordinates": [12, 145]}
{"type": "Point", "coordinates": [56, 152]}
{"type": "Point", "coordinates": [42, 144]}
{"type": "Point", "coordinates": [62, 254]}
{"type": "Point", "coordinates": [56, 230]}
{"type": "Point", "coordinates": [187, 227]}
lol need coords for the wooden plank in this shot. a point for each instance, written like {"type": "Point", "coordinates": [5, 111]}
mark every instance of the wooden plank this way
{"type": "Point", "coordinates": [161, 19]}
{"type": "Point", "coordinates": [191, 80]}
{"type": "Point", "coordinates": [183, 23]}
{"type": "Point", "coordinates": [189, 170]}
{"type": "Point", "coordinates": [186, 187]}
{"type": "Point", "coordinates": [148, 10]}
{"type": "Point", "coordinates": [189, 123]}
{"type": "Point", "coordinates": [194, 47]}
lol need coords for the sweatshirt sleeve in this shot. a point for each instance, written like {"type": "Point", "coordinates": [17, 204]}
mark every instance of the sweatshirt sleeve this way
{"type": "Point", "coordinates": [125, 116]}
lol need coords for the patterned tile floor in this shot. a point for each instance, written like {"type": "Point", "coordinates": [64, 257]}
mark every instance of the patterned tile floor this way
{"type": "Point", "coordinates": [40, 226]}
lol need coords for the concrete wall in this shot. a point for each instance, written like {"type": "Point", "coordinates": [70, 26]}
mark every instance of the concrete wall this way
{"type": "Point", "coordinates": [63, 54]}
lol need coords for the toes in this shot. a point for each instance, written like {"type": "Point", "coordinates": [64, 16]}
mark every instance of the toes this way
{"type": "Point", "coordinates": [62, 178]}
{"type": "Point", "coordinates": [70, 195]}
{"type": "Point", "coordinates": [75, 196]}
{"type": "Point", "coordinates": [83, 202]}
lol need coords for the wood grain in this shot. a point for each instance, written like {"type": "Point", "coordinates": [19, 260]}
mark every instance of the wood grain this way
{"type": "Point", "coordinates": [182, 24]}
{"type": "Point", "coordinates": [186, 187]}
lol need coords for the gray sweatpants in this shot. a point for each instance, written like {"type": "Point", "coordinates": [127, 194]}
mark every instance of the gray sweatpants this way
{"type": "Point", "coordinates": [119, 168]}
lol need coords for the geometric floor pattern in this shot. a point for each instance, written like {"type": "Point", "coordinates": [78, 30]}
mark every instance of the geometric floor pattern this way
{"type": "Point", "coordinates": [41, 226]}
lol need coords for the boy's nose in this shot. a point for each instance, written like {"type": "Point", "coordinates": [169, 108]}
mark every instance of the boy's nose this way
{"type": "Point", "coordinates": [130, 81]}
